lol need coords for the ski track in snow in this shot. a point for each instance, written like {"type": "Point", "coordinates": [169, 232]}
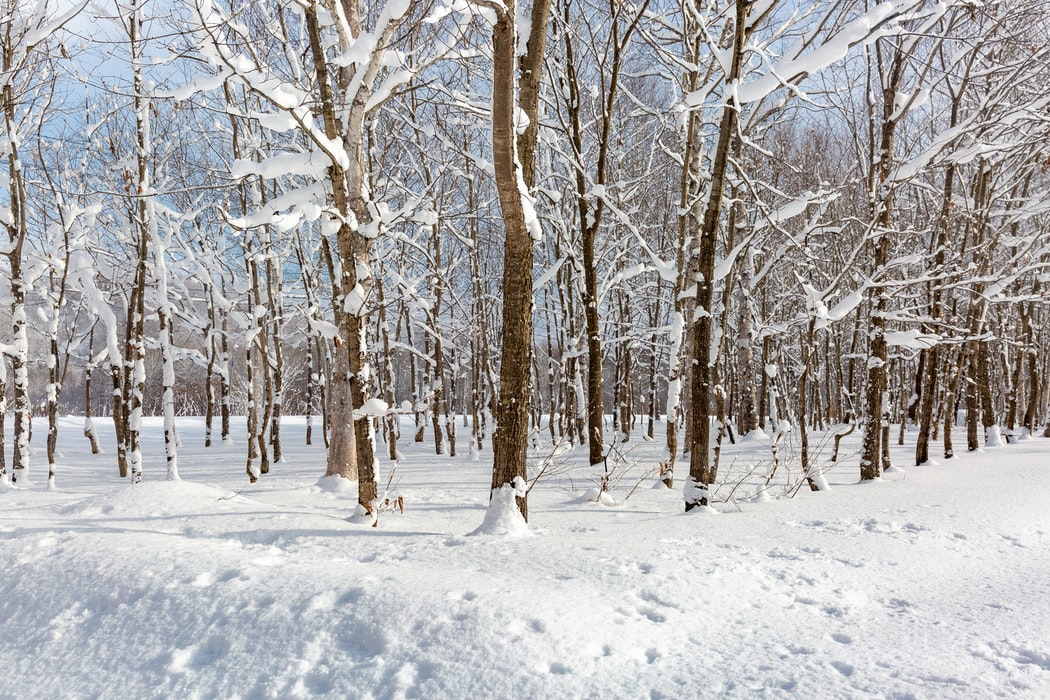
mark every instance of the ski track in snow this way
{"type": "Point", "coordinates": [931, 583]}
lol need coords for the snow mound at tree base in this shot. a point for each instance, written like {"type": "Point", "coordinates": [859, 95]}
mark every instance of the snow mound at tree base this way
{"type": "Point", "coordinates": [337, 484]}
{"type": "Point", "coordinates": [503, 516]}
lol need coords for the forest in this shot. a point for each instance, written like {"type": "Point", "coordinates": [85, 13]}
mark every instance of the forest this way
{"type": "Point", "coordinates": [557, 223]}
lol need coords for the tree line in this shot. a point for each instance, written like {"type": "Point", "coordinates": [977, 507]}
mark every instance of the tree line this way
{"type": "Point", "coordinates": [559, 222]}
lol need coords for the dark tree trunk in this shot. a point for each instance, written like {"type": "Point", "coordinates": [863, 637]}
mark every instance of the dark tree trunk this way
{"type": "Point", "coordinates": [702, 471]}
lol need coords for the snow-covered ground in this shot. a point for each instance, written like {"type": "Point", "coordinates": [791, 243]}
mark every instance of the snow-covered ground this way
{"type": "Point", "coordinates": [933, 582]}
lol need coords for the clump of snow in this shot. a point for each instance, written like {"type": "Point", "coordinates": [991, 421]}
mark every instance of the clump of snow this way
{"type": "Point", "coordinates": [363, 516]}
{"type": "Point", "coordinates": [372, 408]}
{"type": "Point", "coordinates": [912, 339]}
{"type": "Point", "coordinates": [821, 482]}
{"type": "Point", "coordinates": [502, 516]}
{"type": "Point", "coordinates": [596, 495]}
{"type": "Point", "coordinates": [696, 493]}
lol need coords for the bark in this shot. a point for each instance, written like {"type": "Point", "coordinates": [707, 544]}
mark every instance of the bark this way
{"type": "Point", "coordinates": [1031, 355]}
{"type": "Point", "coordinates": [510, 442]}
{"type": "Point", "coordinates": [803, 390]}
{"type": "Point", "coordinates": [89, 425]}
{"type": "Point", "coordinates": [702, 471]}
{"type": "Point", "coordinates": [252, 418]}
{"type": "Point", "coordinates": [448, 386]}
{"type": "Point", "coordinates": [224, 381]}
{"type": "Point", "coordinates": [134, 379]}
{"type": "Point", "coordinates": [276, 355]}
{"type": "Point", "coordinates": [482, 372]}
{"type": "Point", "coordinates": [689, 199]}
{"type": "Point", "coordinates": [256, 447]}
{"type": "Point", "coordinates": [390, 421]}
{"type": "Point", "coordinates": [311, 384]}
{"type": "Point", "coordinates": [150, 231]}
{"type": "Point", "coordinates": [352, 448]}
{"type": "Point", "coordinates": [57, 366]}
{"type": "Point", "coordinates": [166, 338]}
{"type": "Point", "coordinates": [932, 355]}
{"type": "Point", "coordinates": [747, 418]}
{"type": "Point", "coordinates": [872, 452]}
{"type": "Point", "coordinates": [17, 230]}
{"type": "Point", "coordinates": [949, 408]}
{"type": "Point", "coordinates": [590, 212]}
{"type": "Point", "coordinates": [258, 336]}
{"type": "Point", "coordinates": [210, 338]}
{"type": "Point", "coordinates": [438, 380]}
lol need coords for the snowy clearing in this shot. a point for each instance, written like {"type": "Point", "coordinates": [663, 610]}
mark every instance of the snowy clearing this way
{"type": "Point", "coordinates": [930, 583]}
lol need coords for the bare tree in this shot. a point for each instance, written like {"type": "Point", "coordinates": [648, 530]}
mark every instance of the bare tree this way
{"type": "Point", "coordinates": [514, 161]}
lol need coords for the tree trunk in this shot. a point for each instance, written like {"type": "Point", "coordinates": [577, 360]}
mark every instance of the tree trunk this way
{"type": "Point", "coordinates": [352, 450]}
{"type": "Point", "coordinates": [89, 424]}
{"type": "Point", "coordinates": [510, 444]}
{"type": "Point", "coordinates": [880, 188]}
{"type": "Point", "coordinates": [17, 230]}
{"type": "Point", "coordinates": [702, 472]}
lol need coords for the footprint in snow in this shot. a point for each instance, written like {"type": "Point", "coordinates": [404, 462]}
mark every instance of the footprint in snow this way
{"type": "Point", "coordinates": [842, 667]}
{"type": "Point", "coordinates": [208, 652]}
{"type": "Point", "coordinates": [842, 638]}
{"type": "Point", "coordinates": [655, 599]}
{"type": "Point", "coordinates": [652, 615]}
{"type": "Point", "coordinates": [779, 554]}
{"type": "Point", "coordinates": [349, 597]}
{"type": "Point", "coordinates": [899, 606]}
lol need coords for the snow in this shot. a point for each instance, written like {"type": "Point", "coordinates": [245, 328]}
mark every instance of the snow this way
{"type": "Point", "coordinates": [309, 163]}
{"type": "Point", "coordinates": [862, 28]}
{"type": "Point", "coordinates": [930, 582]}
{"type": "Point", "coordinates": [993, 436]}
{"type": "Point", "coordinates": [846, 306]}
{"type": "Point", "coordinates": [373, 407]}
{"type": "Point", "coordinates": [502, 517]}
{"type": "Point", "coordinates": [528, 206]}
{"type": "Point", "coordinates": [912, 339]}
{"type": "Point", "coordinates": [756, 435]}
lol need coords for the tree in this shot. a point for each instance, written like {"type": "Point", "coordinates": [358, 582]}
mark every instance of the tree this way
{"type": "Point", "coordinates": [590, 179]}
{"type": "Point", "coordinates": [521, 230]}
{"type": "Point", "coordinates": [701, 471]}
{"type": "Point", "coordinates": [24, 32]}
{"type": "Point", "coordinates": [347, 77]}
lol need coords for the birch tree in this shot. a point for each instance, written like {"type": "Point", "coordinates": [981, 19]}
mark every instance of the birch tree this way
{"type": "Point", "coordinates": [350, 67]}
{"type": "Point", "coordinates": [24, 34]}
